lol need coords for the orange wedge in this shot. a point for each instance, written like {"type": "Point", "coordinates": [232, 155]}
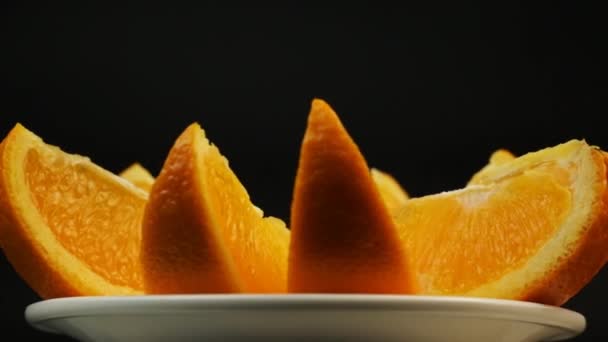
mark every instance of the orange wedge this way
{"type": "Point", "coordinates": [534, 228]}
{"type": "Point", "coordinates": [393, 194]}
{"type": "Point", "coordinates": [139, 176]}
{"type": "Point", "coordinates": [343, 239]}
{"type": "Point", "coordinates": [67, 226]}
{"type": "Point", "coordinates": [497, 158]}
{"type": "Point", "coordinates": [202, 234]}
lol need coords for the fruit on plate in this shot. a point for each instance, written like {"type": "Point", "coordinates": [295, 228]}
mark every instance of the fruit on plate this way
{"type": "Point", "coordinates": [343, 239]}
{"type": "Point", "coordinates": [202, 234]}
{"type": "Point", "coordinates": [531, 228]}
{"type": "Point", "coordinates": [67, 226]}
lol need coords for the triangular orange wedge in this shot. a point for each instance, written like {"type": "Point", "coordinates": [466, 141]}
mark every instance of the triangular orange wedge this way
{"type": "Point", "coordinates": [393, 194]}
{"type": "Point", "coordinates": [67, 226]}
{"type": "Point", "coordinates": [139, 176]}
{"type": "Point", "coordinates": [343, 239]}
{"type": "Point", "coordinates": [202, 234]}
{"type": "Point", "coordinates": [534, 228]}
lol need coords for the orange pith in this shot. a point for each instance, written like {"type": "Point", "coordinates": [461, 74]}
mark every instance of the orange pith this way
{"type": "Point", "coordinates": [525, 229]}
{"type": "Point", "coordinates": [393, 194]}
{"type": "Point", "coordinates": [67, 226]}
{"type": "Point", "coordinates": [343, 238]}
{"type": "Point", "coordinates": [139, 176]}
{"type": "Point", "coordinates": [201, 233]}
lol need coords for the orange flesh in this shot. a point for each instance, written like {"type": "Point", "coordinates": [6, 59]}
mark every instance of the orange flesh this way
{"type": "Point", "coordinates": [257, 245]}
{"type": "Point", "coordinates": [67, 226]}
{"type": "Point", "coordinates": [201, 232]}
{"type": "Point", "coordinates": [179, 252]}
{"type": "Point", "coordinates": [343, 238]}
{"type": "Point", "coordinates": [87, 218]}
{"type": "Point", "coordinates": [476, 236]}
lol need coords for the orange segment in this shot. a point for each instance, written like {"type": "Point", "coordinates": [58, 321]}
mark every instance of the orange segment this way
{"type": "Point", "coordinates": [534, 228]}
{"type": "Point", "coordinates": [498, 157]}
{"type": "Point", "coordinates": [343, 238]}
{"type": "Point", "coordinates": [201, 233]}
{"type": "Point", "coordinates": [67, 226]}
{"type": "Point", "coordinates": [139, 176]}
{"type": "Point", "coordinates": [393, 195]}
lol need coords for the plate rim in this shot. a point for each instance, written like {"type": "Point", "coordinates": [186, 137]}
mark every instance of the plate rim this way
{"type": "Point", "coordinates": [475, 307]}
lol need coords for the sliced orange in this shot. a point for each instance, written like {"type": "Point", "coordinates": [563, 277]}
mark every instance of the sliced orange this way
{"type": "Point", "coordinates": [497, 158]}
{"type": "Point", "coordinates": [202, 234]}
{"type": "Point", "coordinates": [534, 228]}
{"type": "Point", "coordinates": [342, 237]}
{"type": "Point", "coordinates": [67, 226]}
{"type": "Point", "coordinates": [139, 176]}
{"type": "Point", "coordinates": [393, 194]}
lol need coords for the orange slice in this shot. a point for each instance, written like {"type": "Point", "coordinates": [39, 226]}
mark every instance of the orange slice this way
{"type": "Point", "coordinates": [533, 228]}
{"type": "Point", "coordinates": [202, 234]}
{"type": "Point", "coordinates": [139, 176]}
{"type": "Point", "coordinates": [497, 158]}
{"type": "Point", "coordinates": [343, 239]}
{"type": "Point", "coordinates": [393, 194]}
{"type": "Point", "coordinates": [67, 226]}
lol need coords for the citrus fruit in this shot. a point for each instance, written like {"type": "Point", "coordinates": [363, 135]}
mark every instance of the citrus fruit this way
{"type": "Point", "coordinates": [139, 176]}
{"type": "Point", "coordinates": [393, 194]}
{"type": "Point", "coordinates": [202, 234]}
{"type": "Point", "coordinates": [342, 237]}
{"type": "Point", "coordinates": [67, 226]}
{"type": "Point", "coordinates": [533, 228]}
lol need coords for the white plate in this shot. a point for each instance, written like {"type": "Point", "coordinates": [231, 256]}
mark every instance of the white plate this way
{"type": "Point", "coordinates": [303, 317]}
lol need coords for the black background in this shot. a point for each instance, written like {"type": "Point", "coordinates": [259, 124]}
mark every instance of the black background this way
{"type": "Point", "coordinates": [427, 92]}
